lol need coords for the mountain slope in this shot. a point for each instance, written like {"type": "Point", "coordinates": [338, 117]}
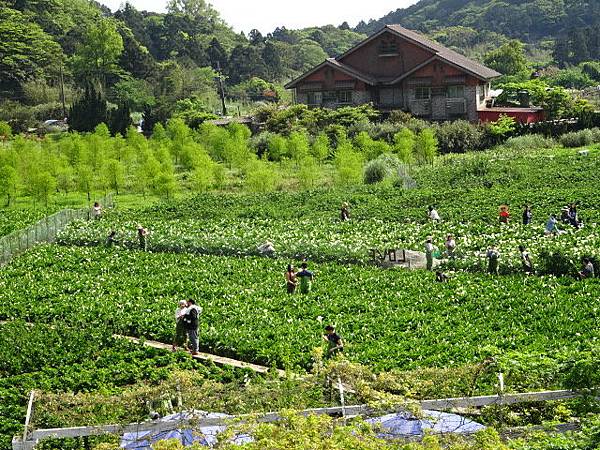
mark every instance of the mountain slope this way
{"type": "Point", "coordinates": [529, 20]}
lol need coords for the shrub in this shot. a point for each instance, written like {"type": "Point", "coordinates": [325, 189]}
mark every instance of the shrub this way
{"type": "Point", "coordinates": [260, 177]}
{"type": "Point", "coordinates": [529, 142]}
{"type": "Point", "coordinates": [458, 137]}
{"type": "Point", "coordinates": [376, 171]}
{"type": "Point", "coordinates": [5, 130]}
{"type": "Point", "coordinates": [577, 139]}
{"type": "Point", "coordinates": [348, 164]}
{"type": "Point", "coordinates": [387, 167]}
{"type": "Point", "coordinates": [309, 172]}
{"type": "Point", "coordinates": [426, 147]}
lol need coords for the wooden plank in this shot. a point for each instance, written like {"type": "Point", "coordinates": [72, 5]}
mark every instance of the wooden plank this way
{"type": "Point", "coordinates": [506, 399]}
{"type": "Point", "coordinates": [355, 410]}
{"type": "Point", "coordinates": [28, 415]}
{"type": "Point", "coordinates": [221, 360]}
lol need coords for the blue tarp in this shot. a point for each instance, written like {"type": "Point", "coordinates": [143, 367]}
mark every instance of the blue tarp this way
{"type": "Point", "coordinates": [406, 425]}
{"type": "Point", "coordinates": [392, 426]}
{"type": "Point", "coordinates": [206, 436]}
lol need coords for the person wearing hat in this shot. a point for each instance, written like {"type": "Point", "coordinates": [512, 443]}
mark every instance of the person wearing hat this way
{"type": "Point", "coordinates": [142, 233]}
{"type": "Point", "coordinates": [345, 212]}
{"type": "Point", "coordinates": [429, 249]}
{"type": "Point", "coordinates": [504, 214]}
{"type": "Point", "coordinates": [180, 333]}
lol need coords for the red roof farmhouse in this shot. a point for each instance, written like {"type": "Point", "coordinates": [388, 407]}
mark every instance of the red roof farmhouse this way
{"type": "Point", "coordinates": [398, 68]}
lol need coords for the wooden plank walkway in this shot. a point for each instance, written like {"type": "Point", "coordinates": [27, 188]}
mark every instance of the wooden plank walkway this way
{"type": "Point", "coordinates": [220, 360]}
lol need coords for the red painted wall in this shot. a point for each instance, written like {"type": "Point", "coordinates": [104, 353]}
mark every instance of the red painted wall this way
{"type": "Point", "coordinates": [438, 70]}
{"type": "Point", "coordinates": [519, 116]}
{"type": "Point", "coordinates": [329, 75]}
{"type": "Point", "coordinates": [367, 60]}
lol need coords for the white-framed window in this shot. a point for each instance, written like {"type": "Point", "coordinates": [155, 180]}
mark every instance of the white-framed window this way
{"type": "Point", "coordinates": [315, 98]}
{"type": "Point", "coordinates": [345, 97]}
{"type": "Point", "coordinates": [455, 92]}
{"type": "Point", "coordinates": [422, 93]}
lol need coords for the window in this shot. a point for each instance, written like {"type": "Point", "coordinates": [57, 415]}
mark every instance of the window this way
{"type": "Point", "coordinates": [455, 92]}
{"type": "Point", "coordinates": [344, 96]}
{"type": "Point", "coordinates": [388, 48]}
{"type": "Point", "coordinates": [422, 93]}
{"type": "Point", "coordinates": [315, 98]}
{"type": "Point", "coordinates": [330, 96]}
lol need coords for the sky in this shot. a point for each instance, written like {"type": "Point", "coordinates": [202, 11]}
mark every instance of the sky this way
{"type": "Point", "coordinates": [266, 15]}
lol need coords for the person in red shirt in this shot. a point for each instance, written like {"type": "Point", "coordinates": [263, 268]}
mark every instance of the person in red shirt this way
{"type": "Point", "coordinates": [504, 214]}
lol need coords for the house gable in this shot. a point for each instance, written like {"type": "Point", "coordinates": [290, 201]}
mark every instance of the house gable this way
{"type": "Point", "coordinates": [386, 55]}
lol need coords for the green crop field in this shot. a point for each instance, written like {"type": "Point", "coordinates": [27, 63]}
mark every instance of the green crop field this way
{"type": "Point", "coordinates": [542, 331]}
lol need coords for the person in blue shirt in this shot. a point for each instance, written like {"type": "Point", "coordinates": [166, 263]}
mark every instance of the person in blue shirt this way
{"type": "Point", "coordinates": [306, 278]}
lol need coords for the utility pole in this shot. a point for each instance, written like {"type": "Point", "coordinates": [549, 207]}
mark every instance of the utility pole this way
{"type": "Point", "coordinates": [221, 89]}
{"type": "Point", "coordinates": [62, 91]}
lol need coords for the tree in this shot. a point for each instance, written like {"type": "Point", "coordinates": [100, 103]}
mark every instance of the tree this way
{"type": "Point", "coordinates": [255, 37]}
{"type": "Point", "coordinates": [561, 51]}
{"type": "Point", "coordinates": [9, 182]}
{"type": "Point", "coordinates": [579, 45]}
{"type": "Point", "coordinates": [96, 57]}
{"type": "Point", "coordinates": [113, 174]}
{"type": "Point", "coordinates": [509, 59]}
{"type": "Point", "coordinates": [217, 55]}
{"type": "Point", "coordinates": [88, 112]}
{"type": "Point", "coordinates": [272, 59]}
{"type": "Point", "coordinates": [119, 120]}
{"type": "Point", "coordinates": [426, 146]}
{"type": "Point", "coordinates": [193, 8]}
{"type": "Point", "coordinates": [404, 145]}
{"type": "Point", "coordinates": [246, 62]}
{"type": "Point", "coordinates": [26, 51]}
{"type": "Point", "coordinates": [42, 185]}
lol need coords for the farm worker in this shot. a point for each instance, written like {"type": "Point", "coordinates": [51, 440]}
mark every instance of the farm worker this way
{"type": "Point", "coordinates": [110, 240]}
{"type": "Point", "coordinates": [96, 211]}
{"type": "Point", "coordinates": [290, 279]}
{"type": "Point", "coordinates": [551, 227]}
{"type": "Point", "coordinates": [306, 278]}
{"type": "Point", "coordinates": [450, 245]}
{"type": "Point", "coordinates": [180, 332]}
{"type": "Point", "coordinates": [345, 212]}
{"type": "Point", "coordinates": [526, 260]}
{"type": "Point", "coordinates": [429, 249]}
{"type": "Point", "coordinates": [564, 215]}
{"type": "Point", "coordinates": [334, 341]}
{"type": "Point", "coordinates": [433, 214]}
{"type": "Point", "coordinates": [142, 233]}
{"type": "Point", "coordinates": [573, 218]}
{"type": "Point", "coordinates": [266, 249]}
{"type": "Point", "coordinates": [527, 215]}
{"type": "Point", "coordinates": [588, 269]}
{"type": "Point", "coordinates": [493, 256]}
{"type": "Point", "coordinates": [190, 321]}
{"type": "Point", "coordinates": [504, 214]}
{"type": "Point", "coordinates": [441, 277]}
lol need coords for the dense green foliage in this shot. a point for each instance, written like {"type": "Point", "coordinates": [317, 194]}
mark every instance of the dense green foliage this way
{"type": "Point", "coordinates": [536, 18]}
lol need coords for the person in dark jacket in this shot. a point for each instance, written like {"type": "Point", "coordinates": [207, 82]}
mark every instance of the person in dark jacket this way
{"type": "Point", "coordinates": [527, 215]}
{"type": "Point", "coordinates": [334, 341]}
{"type": "Point", "coordinates": [190, 322]}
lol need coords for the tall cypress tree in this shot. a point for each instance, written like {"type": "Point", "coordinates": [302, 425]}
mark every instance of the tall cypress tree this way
{"type": "Point", "coordinates": [88, 112]}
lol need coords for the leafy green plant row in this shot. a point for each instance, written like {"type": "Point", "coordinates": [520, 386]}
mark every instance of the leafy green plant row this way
{"type": "Point", "coordinates": [389, 319]}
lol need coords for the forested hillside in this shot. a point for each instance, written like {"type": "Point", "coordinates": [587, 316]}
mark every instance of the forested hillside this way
{"type": "Point", "coordinates": [144, 59]}
{"type": "Point", "coordinates": [528, 20]}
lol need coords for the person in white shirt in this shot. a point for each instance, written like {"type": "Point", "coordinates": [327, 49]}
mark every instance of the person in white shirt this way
{"type": "Point", "coordinates": [433, 214]}
{"type": "Point", "coordinates": [97, 211]}
{"type": "Point", "coordinates": [180, 333]}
